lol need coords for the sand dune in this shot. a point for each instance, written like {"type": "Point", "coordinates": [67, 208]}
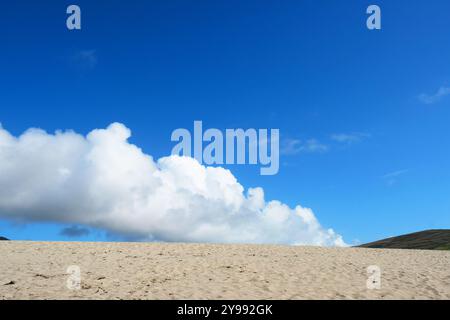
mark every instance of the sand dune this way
{"type": "Point", "coordinates": [38, 270]}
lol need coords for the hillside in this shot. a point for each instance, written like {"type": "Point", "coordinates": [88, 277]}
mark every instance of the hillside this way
{"type": "Point", "coordinates": [426, 240]}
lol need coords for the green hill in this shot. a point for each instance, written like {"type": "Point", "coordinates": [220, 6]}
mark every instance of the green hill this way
{"type": "Point", "coordinates": [426, 240]}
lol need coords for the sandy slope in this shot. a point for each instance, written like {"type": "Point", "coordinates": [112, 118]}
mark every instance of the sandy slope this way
{"type": "Point", "coordinates": [35, 270]}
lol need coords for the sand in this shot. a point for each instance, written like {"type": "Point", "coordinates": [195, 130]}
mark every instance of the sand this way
{"type": "Point", "coordinates": [38, 270]}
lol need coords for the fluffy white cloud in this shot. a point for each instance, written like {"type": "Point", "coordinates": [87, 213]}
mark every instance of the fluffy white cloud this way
{"type": "Point", "coordinates": [103, 181]}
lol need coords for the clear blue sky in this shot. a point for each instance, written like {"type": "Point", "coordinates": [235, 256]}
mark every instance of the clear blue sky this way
{"type": "Point", "coordinates": [376, 103]}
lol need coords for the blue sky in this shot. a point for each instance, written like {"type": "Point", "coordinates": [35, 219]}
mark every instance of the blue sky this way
{"type": "Point", "coordinates": [373, 106]}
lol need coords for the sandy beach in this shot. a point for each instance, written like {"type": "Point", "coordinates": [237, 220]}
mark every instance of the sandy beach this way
{"type": "Point", "coordinates": [39, 270]}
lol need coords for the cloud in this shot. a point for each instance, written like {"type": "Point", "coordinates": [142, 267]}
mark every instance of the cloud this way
{"type": "Point", "coordinates": [102, 181]}
{"type": "Point", "coordinates": [349, 138]}
{"type": "Point", "coordinates": [392, 177]}
{"type": "Point", "coordinates": [85, 59]}
{"type": "Point", "coordinates": [74, 231]}
{"type": "Point", "coordinates": [295, 146]}
{"type": "Point", "coordinates": [436, 97]}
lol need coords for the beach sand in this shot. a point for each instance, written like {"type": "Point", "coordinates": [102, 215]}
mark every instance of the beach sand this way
{"type": "Point", "coordinates": [38, 270]}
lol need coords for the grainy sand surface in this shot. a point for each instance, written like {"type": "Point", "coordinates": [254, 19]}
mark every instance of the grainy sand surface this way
{"type": "Point", "coordinates": [38, 270]}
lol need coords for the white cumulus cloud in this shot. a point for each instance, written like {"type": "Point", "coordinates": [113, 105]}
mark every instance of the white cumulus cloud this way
{"type": "Point", "coordinates": [103, 181]}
